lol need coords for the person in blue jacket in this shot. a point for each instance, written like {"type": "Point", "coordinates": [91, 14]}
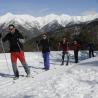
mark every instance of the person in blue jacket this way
{"type": "Point", "coordinates": [45, 46]}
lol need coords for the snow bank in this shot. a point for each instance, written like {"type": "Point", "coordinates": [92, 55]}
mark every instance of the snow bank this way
{"type": "Point", "coordinates": [73, 81]}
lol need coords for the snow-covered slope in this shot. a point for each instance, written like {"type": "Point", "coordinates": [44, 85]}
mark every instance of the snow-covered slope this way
{"type": "Point", "coordinates": [40, 22]}
{"type": "Point", "coordinates": [73, 81]}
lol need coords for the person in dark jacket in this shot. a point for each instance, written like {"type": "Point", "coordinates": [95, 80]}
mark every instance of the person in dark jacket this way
{"type": "Point", "coordinates": [64, 44]}
{"type": "Point", "coordinates": [91, 48]}
{"type": "Point", "coordinates": [45, 45]}
{"type": "Point", "coordinates": [16, 40]}
{"type": "Point", "coordinates": [76, 47]}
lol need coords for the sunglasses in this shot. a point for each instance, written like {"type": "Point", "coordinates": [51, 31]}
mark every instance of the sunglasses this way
{"type": "Point", "coordinates": [44, 36]}
{"type": "Point", "coordinates": [11, 28]}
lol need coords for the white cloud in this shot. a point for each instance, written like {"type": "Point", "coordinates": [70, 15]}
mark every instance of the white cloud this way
{"type": "Point", "coordinates": [89, 12]}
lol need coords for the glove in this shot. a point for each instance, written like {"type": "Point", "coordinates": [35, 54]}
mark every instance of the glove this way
{"type": "Point", "coordinates": [21, 40]}
{"type": "Point", "coordinates": [37, 42]}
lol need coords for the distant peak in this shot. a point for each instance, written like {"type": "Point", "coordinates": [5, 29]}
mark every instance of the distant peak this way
{"type": "Point", "coordinates": [9, 14]}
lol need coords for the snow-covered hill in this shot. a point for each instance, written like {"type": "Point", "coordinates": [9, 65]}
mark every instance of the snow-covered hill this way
{"type": "Point", "coordinates": [32, 26]}
{"type": "Point", "coordinates": [40, 22]}
{"type": "Point", "coordinates": [73, 81]}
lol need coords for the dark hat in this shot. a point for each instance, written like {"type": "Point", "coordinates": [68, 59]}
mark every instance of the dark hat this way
{"type": "Point", "coordinates": [11, 25]}
{"type": "Point", "coordinates": [44, 34]}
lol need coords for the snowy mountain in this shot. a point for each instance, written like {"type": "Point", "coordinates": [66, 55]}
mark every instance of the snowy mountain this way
{"type": "Point", "coordinates": [56, 25]}
{"type": "Point", "coordinates": [29, 22]}
{"type": "Point", "coordinates": [31, 27]}
{"type": "Point", "coordinates": [73, 81]}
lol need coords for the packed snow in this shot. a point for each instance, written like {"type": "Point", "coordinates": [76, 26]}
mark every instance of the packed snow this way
{"type": "Point", "coordinates": [72, 81]}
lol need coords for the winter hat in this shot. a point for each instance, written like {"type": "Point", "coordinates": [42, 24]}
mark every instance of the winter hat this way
{"type": "Point", "coordinates": [11, 25]}
{"type": "Point", "coordinates": [44, 34]}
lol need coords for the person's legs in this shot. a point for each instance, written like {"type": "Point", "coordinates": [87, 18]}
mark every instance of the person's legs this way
{"type": "Point", "coordinates": [14, 65]}
{"type": "Point", "coordinates": [92, 53]}
{"type": "Point", "coordinates": [67, 58]}
{"type": "Point", "coordinates": [63, 55]}
{"type": "Point", "coordinates": [22, 59]}
{"type": "Point", "coordinates": [89, 53]}
{"type": "Point", "coordinates": [46, 60]}
{"type": "Point", "coordinates": [76, 56]}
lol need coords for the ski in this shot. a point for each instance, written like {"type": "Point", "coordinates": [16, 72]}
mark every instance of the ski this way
{"type": "Point", "coordinates": [20, 78]}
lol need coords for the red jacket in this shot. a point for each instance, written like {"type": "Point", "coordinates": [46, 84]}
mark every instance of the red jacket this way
{"type": "Point", "coordinates": [64, 46]}
{"type": "Point", "coordinates": [76, 47]}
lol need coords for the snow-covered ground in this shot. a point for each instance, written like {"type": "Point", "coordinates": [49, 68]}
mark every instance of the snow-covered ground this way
{"type": "Point", "coordinates": [73, 81]}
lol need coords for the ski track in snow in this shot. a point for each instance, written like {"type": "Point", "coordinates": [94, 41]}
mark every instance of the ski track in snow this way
{"type": "Point", "coordinates": [73, 81]}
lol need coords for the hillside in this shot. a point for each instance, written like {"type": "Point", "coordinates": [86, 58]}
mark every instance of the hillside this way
{"type": "Point", "coordinates": [73, 27]}
{"type": "Point", "coordinates": [83, 33]}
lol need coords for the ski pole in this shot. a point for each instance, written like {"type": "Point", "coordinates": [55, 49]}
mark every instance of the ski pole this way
{"type": "Point", "coordinates": [19, 46]}
{"type": "Point", "coordinates": [5, 55]}
{"type": "Point", "coordinates": [69, 57]}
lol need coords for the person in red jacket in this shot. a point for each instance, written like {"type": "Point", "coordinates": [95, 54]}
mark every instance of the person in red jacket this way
{"type": "Point", "coordinates": [64, 44]}
{"type": "Point", "coordinates": [76, 47]}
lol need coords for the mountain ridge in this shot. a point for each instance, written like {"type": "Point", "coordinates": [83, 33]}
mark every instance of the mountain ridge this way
{"type": "Point", "coordinates": [40, 22]}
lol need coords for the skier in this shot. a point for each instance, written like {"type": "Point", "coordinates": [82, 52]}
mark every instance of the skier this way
{"type": "Point", "coordinates": [76, 47]}
{"type": "Point", "coordinates": [91, 48]}
{"type": "Point", "coordinates": [64, 44]}
{"type": "Point", "coordinates": [16, 40]}
{"type": "Point", "coordinates": [45, 45]}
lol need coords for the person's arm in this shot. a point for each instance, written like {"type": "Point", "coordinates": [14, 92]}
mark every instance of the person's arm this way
{"type": "Point", "coordinates": [5, 38]}
{"type": "Point", "coordinates": [94, 46]}
{"type": "Point", "coordinates": [59, 44]}
{"type": "Point", "coordinates": [50, 44]}
{"type": "Point", "coordinates": [40, 43]}
{"type": "Point", "coordinates": [21, 38]}
{"type": "Point", "coordinates": [68, 46]}
{"type": "Point", "coordinates": [78, 47]}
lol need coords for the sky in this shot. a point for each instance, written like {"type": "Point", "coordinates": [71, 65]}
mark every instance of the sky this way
{"type": "Point", "coordinates": [45, 7]}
